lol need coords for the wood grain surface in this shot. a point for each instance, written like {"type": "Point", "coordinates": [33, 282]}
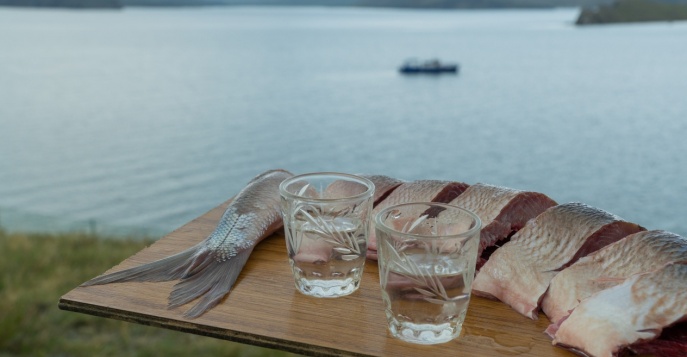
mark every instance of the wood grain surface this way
{"type": "Point", "coordinates": [264, 309]}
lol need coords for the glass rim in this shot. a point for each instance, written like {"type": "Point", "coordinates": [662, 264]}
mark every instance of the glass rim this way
{"type": "Point", "coordinates": [370, 187]}
{"type": "Point", "coordinates": [380, 225]}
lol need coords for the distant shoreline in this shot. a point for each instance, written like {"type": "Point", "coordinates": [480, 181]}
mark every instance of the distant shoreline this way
{"type": "Point", "coordinates": [67, 4]}
{"type": "Point", "coordinates": [593, 12]}
{"type": "Point", "coordinates": [407, 4]}
{"type": "Point", "coordinates": [631, 11]}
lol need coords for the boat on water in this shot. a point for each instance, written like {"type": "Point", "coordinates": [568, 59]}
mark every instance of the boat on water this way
{"type": "Point", "coordinates": [429, 66]}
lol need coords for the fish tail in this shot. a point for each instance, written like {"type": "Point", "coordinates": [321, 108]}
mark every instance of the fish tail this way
{"type": "Point", "coordinates": [207, 277]}
{"type": "Point", "coordinates": [170, 268]}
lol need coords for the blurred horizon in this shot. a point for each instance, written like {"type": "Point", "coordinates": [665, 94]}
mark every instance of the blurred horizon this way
{"type": "Point", "coordinates": [436, 4]}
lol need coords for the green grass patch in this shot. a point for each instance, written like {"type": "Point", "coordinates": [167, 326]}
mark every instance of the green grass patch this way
{"type": "Point", "coordinates": [37, 269]}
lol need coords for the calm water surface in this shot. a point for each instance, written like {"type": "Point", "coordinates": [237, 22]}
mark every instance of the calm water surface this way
{"type": "Point", "coordinates": [142, 119]}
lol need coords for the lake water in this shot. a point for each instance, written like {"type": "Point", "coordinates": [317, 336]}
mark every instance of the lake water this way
{"type": "Point", "coordinates": [142, 119]}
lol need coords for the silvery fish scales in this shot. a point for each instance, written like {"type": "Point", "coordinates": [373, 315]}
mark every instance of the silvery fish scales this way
{"type": "Point", "coordinates": [209, 269]}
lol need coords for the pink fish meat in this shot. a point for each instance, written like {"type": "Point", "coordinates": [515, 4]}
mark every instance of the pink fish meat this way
{"type": "Point", "coordinates": [636, 310]}
{"type": "Point", "coordinates": [416, 191]}
{"type": "Point", "coordinates": [519, 272]}
{"type": "Point", "coordinates": [384, 185]}
{"type": "Point", "coordinates": [503, 211]}
{"type": "Point", "coordinates": [637, 253]}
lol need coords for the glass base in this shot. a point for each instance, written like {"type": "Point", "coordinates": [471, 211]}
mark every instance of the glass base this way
{"type": "Point", "coordinates": [425, 334]}
{"type": "Point", "coordinates": [327, 288]}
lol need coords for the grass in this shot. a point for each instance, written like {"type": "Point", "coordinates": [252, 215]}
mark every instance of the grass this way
{"type": "Point", "coordinates": [36, 269]}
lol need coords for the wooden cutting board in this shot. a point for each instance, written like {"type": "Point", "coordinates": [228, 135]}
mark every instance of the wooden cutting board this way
{"type": "Point", "coordinates": [264, 309]}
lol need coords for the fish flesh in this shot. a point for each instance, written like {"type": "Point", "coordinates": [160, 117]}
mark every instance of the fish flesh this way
{"type": "Point", "coordinates": [384, 185]}
{"type": "Point", "coordinates": [209, 269]}
{"type": "Point", "coordinates": [519, 272]}
{"type": "Point", "coordinates": [636, 310]}
{"type": "Point", "coordinates": [415, 191]}
{"type": "Point", "coordinates": [637, 253]}
{"type": "Point", "coordinates": [503, 211]}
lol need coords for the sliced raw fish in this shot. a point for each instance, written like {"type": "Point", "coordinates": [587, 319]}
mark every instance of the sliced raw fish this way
{"type": "Point", "coordinates": [384, 185]}
{"type": "Point", "coordinates": [519, 272]}
{"type": "Point", "coordinates": [503, 211]}
{"type": "Point", "coordinates": [636, 310]}
{"type": "Point", "coordinates": [416, 191]}
{"type": "Point", "coordinates": [637, 253]}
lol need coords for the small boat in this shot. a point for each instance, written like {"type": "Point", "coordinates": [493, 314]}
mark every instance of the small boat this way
{"type": "Point", "coordinates": [429, 66]}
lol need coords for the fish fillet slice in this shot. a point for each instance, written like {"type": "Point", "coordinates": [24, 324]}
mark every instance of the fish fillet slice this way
{"type": "Point", "coordinates": [637, 253]}
{"type": "Point", "coordinates": [384, 185]}
{"type": "Point", "coordinates": [634, 311]}
{"type": "Point", "coordinates": [503, 211]}
{"type": "Point", "coordinates": [519, 272]}
{"type": "Point", "coordinates": [416, 191]}
{"type": "Point", "coordinates": [342, 188]}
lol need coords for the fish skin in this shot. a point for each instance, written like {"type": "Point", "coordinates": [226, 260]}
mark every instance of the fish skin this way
{"type": "Point", "coordinates": [384, 185]}
{"type": "Point", "coordinates": [415, 191]}
{"type": "Point", "coordinates": [209, 269]}
{"type": "Point", "coordinates": [609, 266]}
{"type": "Point", "coordinates": [634, 311]}
{"type": "Point", "coordinates": [502, 210]}
{"type": "Point", "coordinates": [519, 272]}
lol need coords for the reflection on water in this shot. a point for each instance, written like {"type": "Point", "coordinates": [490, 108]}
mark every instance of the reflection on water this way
{"type": "Point", "coordinates": [150, 117]}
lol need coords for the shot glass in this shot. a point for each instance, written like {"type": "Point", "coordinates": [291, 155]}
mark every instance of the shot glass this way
{"type": "Point", "coordinates": [427, 255]}
{"type": "Point", "coordinates": [327, 220]}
